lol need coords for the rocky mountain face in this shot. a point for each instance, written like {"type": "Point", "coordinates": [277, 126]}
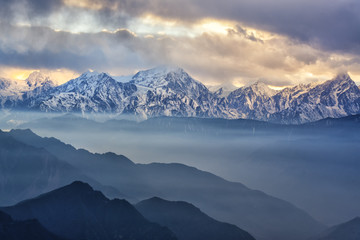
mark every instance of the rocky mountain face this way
{"type": "Point", "coordinates": [172, 92]}
{"type": "Point", "coordinates": [222, 90]}
{"type": "Point", "coordinates": [91, 92]}
{"type": "Point", "coordinates": [334, 98]}
{"type": "Point", "coordinates": [38, 79]}
{"type": "Point", "coordinates": [252, 102]}
{"type": "Point", "coordinates": [14, 94]}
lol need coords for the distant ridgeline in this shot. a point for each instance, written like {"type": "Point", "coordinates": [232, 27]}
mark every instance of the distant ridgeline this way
{"type": "Point", "coordinates": [76, 211]}
{"type": "Point", "coordinates": [172, 92]}
{"type": "Point", "coordinates": [32, 165]}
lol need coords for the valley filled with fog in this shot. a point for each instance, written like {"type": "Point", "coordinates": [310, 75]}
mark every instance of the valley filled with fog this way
{"type": "Point", "coordinates": [314, 166]}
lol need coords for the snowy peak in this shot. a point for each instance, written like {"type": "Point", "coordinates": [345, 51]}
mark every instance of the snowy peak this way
{"type": "Point", "coordinates": [89, 74]}
{"type": "Point", "coordinates": [91, 92]}
{"type": "Point", "coordinates": [343, 77]}
{"type": "Point", "coordinates": [262, 89]}
{"type": "Point", "coordinates": [93, 76]}
{"type": "Point", "coordinates": [335, 98]}
{"type": "Point", "coordinates": [12, 87]}
{"type": "Point", "coordinates": [258, 89]}
{"type": "Point", "coordinates": [157, 77]}
{"type": "Point", "coordinates": [38, 79]}
{"type": "Point", "coordinates": [169, 83]}
{"type": "Point", "coordinates": [170, 91]}
{"type": "Point", "coordinates": [340, 84]}
{"type": "Point", "coordinates": [88, 81]}
{"type": "Point", "coordinates": [180, 81]}
{"type": "Point", "coordinates": [222, 90]}
{"type": "Point", "coordinates": [4, 83]}
{"type": "Point", "coordinates": [342, 81]}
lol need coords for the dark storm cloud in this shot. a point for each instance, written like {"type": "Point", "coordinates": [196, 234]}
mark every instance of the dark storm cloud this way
{"type": "Point", "coordinates": [42, 47]}
{"type": "Point", "coordinates": [244, 33]}
{"type": "Point", "coordinates": [43, 6]}
{"type": "Point", "coordinates": [238, 55]}
{"type": "Point", "coordinates": [331, 25]}
{"type": "Point", "coordinates": [52, 60]}
{"type": "Point", "coordinates": [33, 8]}
{"type": "Point", "coordinates": [5, 12]}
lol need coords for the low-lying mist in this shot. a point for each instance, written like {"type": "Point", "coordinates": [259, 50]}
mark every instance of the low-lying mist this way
{"type": "Point", "coordinates": [314, 166]}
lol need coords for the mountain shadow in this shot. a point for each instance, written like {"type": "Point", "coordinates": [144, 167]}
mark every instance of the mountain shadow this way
{"type": "Point", "coordinates": [76, 211]}
{"type": "Point", "coordinates": [23, 230]}
{"type": "Point", "coordinates": [188, 222]}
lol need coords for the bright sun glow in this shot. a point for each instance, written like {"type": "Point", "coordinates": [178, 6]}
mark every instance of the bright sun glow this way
{"type": "Point", "coordinates": [59, 75]}
{"type": "Point", "coordinates": [150, 24]}
{"type": "Point", "coordinates": [276, 88]}
{"type": "Point", "coordinates": [18, 74]}
{"type": "Point", "coordinates": [213, 26]}
{"type": "Point", "coordinates": [94, 5]}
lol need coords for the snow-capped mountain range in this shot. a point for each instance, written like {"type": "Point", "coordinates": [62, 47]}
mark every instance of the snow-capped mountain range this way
{"type": "Point", "coordinates": [16, 93]}
{"type": "Point", "coordinates": [168, 91]}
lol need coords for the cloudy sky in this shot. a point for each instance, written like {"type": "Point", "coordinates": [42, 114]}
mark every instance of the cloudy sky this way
{"type": "Point", "coordinates": [280, 42]}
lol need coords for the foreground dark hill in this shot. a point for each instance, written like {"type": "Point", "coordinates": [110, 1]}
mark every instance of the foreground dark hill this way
{"type": "Point", "coordinates": [346, 231]}
{"type": "Point", "coordinates": [26, 171]}
{"type": "Point", "coordinates": [263, 216]}
{"type": "Point", "coordinates": [23, 230]}
{"type": "Point", "coordinates": [188, 222]}
{"type": "Point", "coordinates": [77, 212]}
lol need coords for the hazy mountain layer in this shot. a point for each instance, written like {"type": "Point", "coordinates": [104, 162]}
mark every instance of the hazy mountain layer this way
{"type": "Point", "coordinates": [320, 158]}
{"type": "Point", "coordinates": [345, 231]}
{"type": "Point", "coordinates": [26, 171]}
{"type": "Point", "coordinates": [263, 216]}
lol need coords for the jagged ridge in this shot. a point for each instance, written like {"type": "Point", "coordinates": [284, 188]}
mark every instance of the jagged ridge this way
{"type": "Point", "coordinates": [173, 92]}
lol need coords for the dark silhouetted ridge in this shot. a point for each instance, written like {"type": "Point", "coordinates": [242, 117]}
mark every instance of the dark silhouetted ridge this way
{"type": "Point", "coordinates": [76, 211]}
{"type": "Point", "coordinates": [23, 230]}
{"type": "Point", "coordinates": [188, 222]}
